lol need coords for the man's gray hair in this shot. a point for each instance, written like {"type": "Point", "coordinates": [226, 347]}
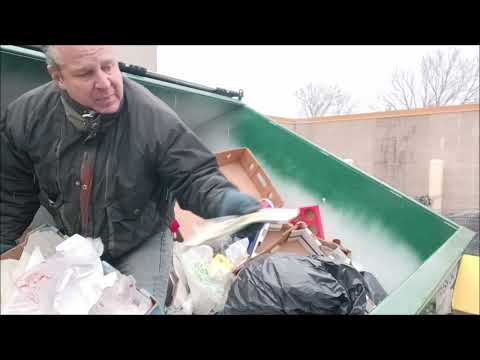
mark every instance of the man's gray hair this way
{"type": "Point", "coordinates": [50, 54]}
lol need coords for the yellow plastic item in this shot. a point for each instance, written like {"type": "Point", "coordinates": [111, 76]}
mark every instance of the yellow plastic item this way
{"type": "Point", "coordinates": [467, 286]}
{"type": "Point", "coordinates": [219, 266]}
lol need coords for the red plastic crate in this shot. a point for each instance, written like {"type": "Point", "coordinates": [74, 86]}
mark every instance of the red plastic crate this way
{"type": "Point", "coordinates": [310, 215]}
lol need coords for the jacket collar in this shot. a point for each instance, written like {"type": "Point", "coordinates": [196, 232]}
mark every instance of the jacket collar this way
{"type": "Point", "coordinates": [85, 119]}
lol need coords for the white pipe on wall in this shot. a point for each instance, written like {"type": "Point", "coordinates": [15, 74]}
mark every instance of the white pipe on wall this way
{"type": "Point", "coordinates": [349, 161]}
{"type": "Point", "coordinates": [435, 184]}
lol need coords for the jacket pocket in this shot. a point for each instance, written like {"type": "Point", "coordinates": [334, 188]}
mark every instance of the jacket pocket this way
{"type": "Point", "coordinates": [131, 221]}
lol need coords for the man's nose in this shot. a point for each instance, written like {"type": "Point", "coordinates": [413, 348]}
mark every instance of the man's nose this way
{"type": "Point", "coordinates": [102, 81]}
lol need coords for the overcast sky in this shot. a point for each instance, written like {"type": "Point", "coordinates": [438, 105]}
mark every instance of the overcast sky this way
{"type": "Point", "coordinates": [269, 75]}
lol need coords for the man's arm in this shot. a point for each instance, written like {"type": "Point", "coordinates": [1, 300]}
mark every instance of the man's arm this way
{"type": "Point", "coordinates": [195, 180]}
{"type": "Point", "coordinates": [18, 189]}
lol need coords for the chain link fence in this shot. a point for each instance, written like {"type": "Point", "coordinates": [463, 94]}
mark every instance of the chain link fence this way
{"type": "Point", "coordinates": [471, 220]}
{"type": "Point", "coordinates": [467, 218]}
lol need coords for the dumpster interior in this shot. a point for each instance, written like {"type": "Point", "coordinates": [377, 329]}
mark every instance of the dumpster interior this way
{"type": "Point", "coordinates": [379, 224]}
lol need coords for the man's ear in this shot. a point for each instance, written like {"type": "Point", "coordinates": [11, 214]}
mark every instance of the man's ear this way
{"type": "Point", "coordinates": [56, 76]}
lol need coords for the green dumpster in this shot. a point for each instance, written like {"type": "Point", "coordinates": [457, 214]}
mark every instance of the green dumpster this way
{"type": "Point", "coordinates": [408, 247]}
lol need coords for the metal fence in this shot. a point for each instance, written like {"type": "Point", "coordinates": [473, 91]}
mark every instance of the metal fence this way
{"type": "Point", "coordinates": [467, 218]}
{"type": "Point", "coordinates": [471, 220]}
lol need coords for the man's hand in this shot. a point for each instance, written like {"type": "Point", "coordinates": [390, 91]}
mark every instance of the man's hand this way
{"type": "Point", "coordinates": [237, 203]}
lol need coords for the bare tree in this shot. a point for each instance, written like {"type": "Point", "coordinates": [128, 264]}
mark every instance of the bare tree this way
{"type": "Point", "coordinates": [317, 100]}
{"type": "Point", "coordinates": [444, 79]}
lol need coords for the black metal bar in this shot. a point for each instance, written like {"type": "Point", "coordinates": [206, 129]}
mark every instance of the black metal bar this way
{"type": "Point", "coordinates": [141, 71]}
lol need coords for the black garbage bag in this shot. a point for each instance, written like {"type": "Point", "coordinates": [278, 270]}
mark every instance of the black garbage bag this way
{"type": "Point", "coordinates": [284, 283]}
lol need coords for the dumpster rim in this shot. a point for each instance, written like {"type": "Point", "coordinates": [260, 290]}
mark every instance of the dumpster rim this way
{"type": "Point", "coordinates": [181, 88]}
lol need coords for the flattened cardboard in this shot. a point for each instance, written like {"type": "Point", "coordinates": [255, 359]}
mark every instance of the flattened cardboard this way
{"type": "Point", "coordinates": [244, 171]}
{"type": "Point", "coordinates": [14, 253]}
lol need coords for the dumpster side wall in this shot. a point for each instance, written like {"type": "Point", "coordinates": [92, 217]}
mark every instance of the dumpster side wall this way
{"type": "Point", "coordinates": [306, 174]}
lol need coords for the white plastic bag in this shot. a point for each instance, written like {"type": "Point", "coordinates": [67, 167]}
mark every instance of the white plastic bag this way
{"type": "Point", "coordinates": [34, 290]}
{"type": "Point", "coordinates": [182, 301]}
{"type": "Point", "coordinates": [7, 279]}
{"type": "Point", "coordinates": [46, 238]}
{"type": "Point", "coordinates": [207, 259]}
{"type": "Point", "coordinates": [68, 282]}
{"type": "Point", "coordinates": [121, 298]}
{"type": "Point", "coordinates": [184, 308]}
{"type": "Point", "coordinates": [208, 294]}
{"type": "Point", "coordinates": [237, 251]}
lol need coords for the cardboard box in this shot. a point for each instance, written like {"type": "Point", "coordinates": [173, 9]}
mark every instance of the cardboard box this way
{"type": "Point", "coordinates": [241, 168]}
{"type": "Point", "coordinates": [308, 240]}
{"type": "Point", "coordinates": [16, 252]}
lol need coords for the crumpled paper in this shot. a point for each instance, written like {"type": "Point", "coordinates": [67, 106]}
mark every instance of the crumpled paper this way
{"type": "Point", "coordinates": [220, 227]}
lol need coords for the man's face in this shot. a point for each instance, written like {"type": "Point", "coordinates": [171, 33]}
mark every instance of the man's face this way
{"type": "Point", "coordinates": [90, 75]}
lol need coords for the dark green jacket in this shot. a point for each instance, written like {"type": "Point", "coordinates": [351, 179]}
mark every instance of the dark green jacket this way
{"type": "Point", "coordinates": [119, 184]}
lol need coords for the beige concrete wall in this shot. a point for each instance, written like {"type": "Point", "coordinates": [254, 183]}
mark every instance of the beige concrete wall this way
{"type": "Point", "coordinates": [397, 148]}
{"type": "Point", "coordinates": [141, 55]}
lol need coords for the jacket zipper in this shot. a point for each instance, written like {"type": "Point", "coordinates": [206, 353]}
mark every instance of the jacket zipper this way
{"type": "Point", "coordinates": [86, 176]}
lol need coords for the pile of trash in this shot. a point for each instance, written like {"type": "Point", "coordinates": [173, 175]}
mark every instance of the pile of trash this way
{"type": "Point", "coordinates": [57, 275]}
{"type": "Point", "coordinates": [274, 261]}
{"type": "Point", "coordinates": [286, 269]}
{"type": "Point", "coordinates": [205, 274]}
